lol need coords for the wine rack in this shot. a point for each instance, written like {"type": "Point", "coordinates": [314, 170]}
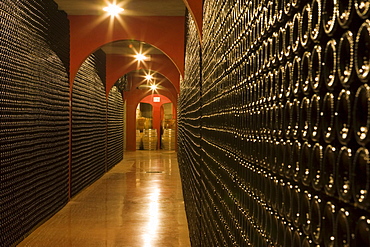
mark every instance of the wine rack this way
{"type": "Point", "coordinates": [189, 133]}
{"type": "Point", "coordinates": [275, 153]}
{"type": "Point", "coordinates": [34, 112]}
{"type": "Point", "coordinates": [89, 123]}
{"type": "Point", "coordinates": [115, 127]}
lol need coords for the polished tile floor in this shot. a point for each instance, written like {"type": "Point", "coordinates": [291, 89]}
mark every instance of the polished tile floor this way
{"type": "Point", "coordinates": [138, 203]}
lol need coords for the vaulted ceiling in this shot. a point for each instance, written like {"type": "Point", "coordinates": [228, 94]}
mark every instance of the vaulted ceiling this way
{"type": "Point", "coordinates": [131, 8]}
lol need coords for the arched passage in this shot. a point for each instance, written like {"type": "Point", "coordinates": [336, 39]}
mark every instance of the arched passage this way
{"type": "Point", "coordinates": [157, 112]}
{"type": "Point", "coordinates": [91, 32]}
{"type": "Point", "coordinates": [118, 65]}
{"type": "Point", "coordinates": [134, 96]}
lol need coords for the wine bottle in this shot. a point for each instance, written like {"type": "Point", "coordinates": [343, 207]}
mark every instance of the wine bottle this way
{"type": "Point", "coordinates": [316, 25]}
{"type": "Point", "coordinates": [316, 219]}
{"type": "Point", "coordinates": [330, 12]}
{"type": "Point", "coordinates": [360, 178]}
{"type": "Point", "coordinates": [362, 52]}
{"type": "Point", "coordinates": [329, 173]}
{"type": "Point", "coordinates": [297, 239]}
{"type": "Point", "coordinates": [316, 68]}
{"type": "Point", "coordinates": [280, 15]}
{"type": "Point", "coordinates": [287, 7]}
{"type": "Point", "coordinates": [362, 8]}
{"type": "Point", "coordinates": [305, 210]}
{"type": "Point", "coordinates": [287, 119]}
{"type": "Point", "coordinates": [345, 61]}
{"type": "Point", "coordinates": [328, 224]}
{"type": "Point", "coordinates": [295, 206]}
{"type": "Point", "coordinates": [344, 163]}
{"type": "Point", "coordinates": [314, 118]}
{"type": "Point", "coordinates": [281, 44]}
{"type": "Point", "coordinates": [330, 64]}
{"type": "Point", "coordinates": [304, 172]}
{"type": "Point", "coordinates": [271, 78]}
{"type": "Point", "coordinates": [362, 236]}
{"type": "Point", "coordinates": [267, 52]}
{"type": "Point", "coordinates": [274, 48]}
{"type": "Point", "coordinates": [296, 158]}
{"type": "Point", "coordinates": [306, 78]}
{"type": "Point", "coordinates": [279, 80]}
{"type": "Point", "coordinates": [345, 13]}
{"type": "Point", "coordinates": [328, 116]}
{"type": "Point", "coordinates": [307, 242]}
{"type": "Point", "coordinates": [361, 118]}
{"type": "Point", "coordinates": [288, 39]}
{"type": "Point", "coordinates": [280, 120]}
{"type": "Point", "coordinates": [343, 118]}
{"type": "Point", "coordinates": [286, 166]}
{"type": "Point", "coordinates": [288, 187]}
{"type": "Point", "coordinates": [288, 235]}
{"type": "Point", "coordinates": [305, 33]}
{"type": "Point", "coordinates": [271, 15]}
{"type": "Point", "coordinates": [317, 166]}
{"type": "Point", "coordinates": [343, 234]}
{"type": "Point", "coordinates": [303, 118]}
{"type": "Point", "coordinates": [296, 30]}
{"type": "Point", "coordinates": [296, 76]}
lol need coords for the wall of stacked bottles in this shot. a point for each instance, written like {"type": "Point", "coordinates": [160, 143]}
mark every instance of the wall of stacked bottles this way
{"type": "Point", "coordinates": [285, 123]}
{"type": "Point", "coordinates": [89, 123]}
{"type": "Point", "coordinates": [115, 127]}
{"type": "Point", "coordinates": [189, 113]}
{"type": "Point", "coordinates": [34, 113]}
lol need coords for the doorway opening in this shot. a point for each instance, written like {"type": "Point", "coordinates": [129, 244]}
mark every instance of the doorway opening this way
{"type": "Point", "coordinates": [156, 123]}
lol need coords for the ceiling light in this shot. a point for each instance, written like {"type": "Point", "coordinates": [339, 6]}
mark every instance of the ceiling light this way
{"type": "Point", "coordinates": [153, 87]}
{"type": "Point", "coordinates": [148, 77]}
{"type": "Point", "coordinates": [140, 57]}
{"type": "Point", "coordinates": [113, 9]}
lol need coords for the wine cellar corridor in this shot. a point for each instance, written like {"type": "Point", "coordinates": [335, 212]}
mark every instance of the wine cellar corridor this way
{"type": "Point", "coordinates": [270, 106]}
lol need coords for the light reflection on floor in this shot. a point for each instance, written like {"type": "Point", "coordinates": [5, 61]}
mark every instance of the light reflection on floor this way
{"type": "Point", "coordinates": [138, 203]}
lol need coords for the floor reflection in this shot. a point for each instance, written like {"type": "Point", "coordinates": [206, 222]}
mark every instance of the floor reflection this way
{"type": "Point", "coordinates": [138, 203]}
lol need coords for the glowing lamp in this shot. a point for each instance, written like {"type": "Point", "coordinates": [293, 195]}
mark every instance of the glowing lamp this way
{"type": "Point", "coordinates": [113, 9]}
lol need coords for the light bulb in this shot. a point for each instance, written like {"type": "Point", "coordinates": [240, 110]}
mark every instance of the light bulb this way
{"type": "Point", "coordinates": [140, 57]}
{"type": "Point", "coordinates": [113, 9]}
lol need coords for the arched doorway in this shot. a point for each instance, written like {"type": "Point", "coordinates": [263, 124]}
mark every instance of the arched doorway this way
{"type": "Point", "coordinates": [155, 115]}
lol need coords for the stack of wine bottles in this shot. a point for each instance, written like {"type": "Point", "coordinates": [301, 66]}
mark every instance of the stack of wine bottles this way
{"type": "Point", "coordinates": [284, 124]}
{"type": "Point", "coordinates": [34, 113]}
{"type": "Point", "coordinates": [115, 127]}
{"type": "Point", "coordinates": [89, 123]}
{"type": "Point", "coordinates": [189, 136]}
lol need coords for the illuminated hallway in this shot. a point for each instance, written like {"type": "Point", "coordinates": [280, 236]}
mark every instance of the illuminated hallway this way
{"type": "Point", "coordinates": [137, 203]}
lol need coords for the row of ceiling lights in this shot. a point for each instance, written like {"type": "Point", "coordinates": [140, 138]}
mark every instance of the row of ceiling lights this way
{"type": "Point", "coordinates": [114, 10]}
